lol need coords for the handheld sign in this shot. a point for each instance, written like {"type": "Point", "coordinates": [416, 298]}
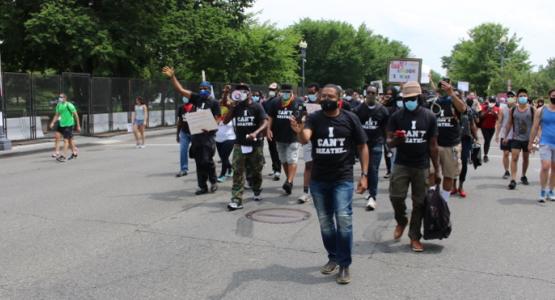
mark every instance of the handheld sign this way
{"type": "Point", "coordinates": [201, 120]}
{"type": "Point", "coordinates": [402, 70]}
{"type": "Point", "coordinates": [312, 107]}
{"type": "Point", "coordinates": [463, 86]}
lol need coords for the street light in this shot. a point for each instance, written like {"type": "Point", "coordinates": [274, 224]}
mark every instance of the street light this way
{"type": "Point", "coordinates": [503, 41]}
{"type": "Point", "coordinates": [5, 144]}
{"type": "Point", "coordinates": [303, 45]}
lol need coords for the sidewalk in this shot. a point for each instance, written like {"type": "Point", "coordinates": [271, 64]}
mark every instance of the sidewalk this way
{"type": "Point", "coordinates": [45, 145]}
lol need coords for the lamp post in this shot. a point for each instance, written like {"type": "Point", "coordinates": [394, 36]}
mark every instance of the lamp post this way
{"type": "Point", "coordinates": [303, 45]}
{"type": "Point", "coordinates": [5, 144]}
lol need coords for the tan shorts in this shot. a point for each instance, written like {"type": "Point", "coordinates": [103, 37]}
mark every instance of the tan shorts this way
{"type": "Point", "coordinates": [450, 161]}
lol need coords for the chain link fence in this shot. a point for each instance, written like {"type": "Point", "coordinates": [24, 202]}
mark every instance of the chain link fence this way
{"type": "Point", "coordinates": [104, 104]}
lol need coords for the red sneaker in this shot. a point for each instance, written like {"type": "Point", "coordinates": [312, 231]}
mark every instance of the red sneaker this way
{"type": "Point", "coordinates": [462, 193]}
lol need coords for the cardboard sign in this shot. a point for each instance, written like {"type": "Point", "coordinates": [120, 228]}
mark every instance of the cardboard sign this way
{"type": "Point", "coordinates": [312, 107]}
{"type": "Point", "coordinates": [404, 69]}
{"type": "Point", "coordinates": [201, 120]}
{"type": "Point", "coordinates": [378, 84]}
{"type": "Point", "coordinates": [463, 86]}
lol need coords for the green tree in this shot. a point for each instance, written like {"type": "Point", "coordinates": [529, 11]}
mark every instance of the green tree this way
{"type": "Point", "coordinates": [478, 59]}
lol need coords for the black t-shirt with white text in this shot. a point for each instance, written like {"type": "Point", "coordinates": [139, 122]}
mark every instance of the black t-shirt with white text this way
{"type": "Point", "coordinates": [247, 118]}
{"type": "Point", "coordinates": [420, 126]}
{"type": "Point", "coordinates": [448, 125]}
{"type": "Point", "coordinates": [281, 124]}
{"type": "Point", "coordinates": [374, 121]}
{"type": "Point", "coordinates": [334, 144]}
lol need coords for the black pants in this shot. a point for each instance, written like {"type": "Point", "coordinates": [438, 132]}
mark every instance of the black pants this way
{"type": "Point", "coordinates": [488, 135]}
{"type": "Point", "coordinates": [466, 144]}
{"type": "Point", "coordinates": [276, 163]}
{"type": "Point", "coordinates": [387, 158]}
{"type": "Point", "coordinates": [224, 151]}
{"type": "Point", "coordinates": [203, 150]}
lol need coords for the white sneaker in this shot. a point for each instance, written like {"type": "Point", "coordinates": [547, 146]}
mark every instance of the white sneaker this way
{"type": "Point", "coordinates": [234, 205]}
{"type": "Point", "coordinates": [304, 198]}
{"type": "Point", "coordinates": [256, 197]}
{"type": "Point", "coordinates": [370, 203]}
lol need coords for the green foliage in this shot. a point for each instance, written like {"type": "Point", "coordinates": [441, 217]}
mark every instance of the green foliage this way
{"type": "Point", "coordinates": [478, 60]}
{"type": "Point", "coordinates": [339, 53]}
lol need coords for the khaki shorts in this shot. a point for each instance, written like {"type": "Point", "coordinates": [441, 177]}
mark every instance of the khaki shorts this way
{"type": "Point", "coordinates": [307, 152]}
{"type": "Point", "coordinates": [449, 161]}
{"type": "Point", "coordinates": [288, 152]}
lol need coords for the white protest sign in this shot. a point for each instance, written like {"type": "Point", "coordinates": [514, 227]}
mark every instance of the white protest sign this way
{"type": "Point", "coordinates": [378, 84]}
{"type": "Point", "coordinates": [425, 74]}
{"type": "Point", "coordinates": [312, 107]}
{"type": "Point", "coordinates": [404, 69]}
{"type": "Point", "coordinates": [463, 86]}
{"type": "Point", "coordinates": [201, 120]}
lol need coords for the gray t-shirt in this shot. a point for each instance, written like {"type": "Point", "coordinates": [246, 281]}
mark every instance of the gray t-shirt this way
{"type": "Point", "coordinates": [522, 124]}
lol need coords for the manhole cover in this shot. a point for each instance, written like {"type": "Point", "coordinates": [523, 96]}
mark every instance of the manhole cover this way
{"type": "Point", "coordinates": [278, 215]}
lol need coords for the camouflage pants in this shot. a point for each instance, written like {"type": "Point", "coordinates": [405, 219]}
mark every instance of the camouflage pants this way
{"type": "Point", "coordinates": [253, 162]}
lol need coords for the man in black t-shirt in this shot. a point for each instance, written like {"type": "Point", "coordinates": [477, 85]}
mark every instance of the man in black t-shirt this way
{"type": "Point", "coordinates": [335, 135]}
{"type": "Point", "coordinates": [250, 121]}
{"type": "Point", "coordinates": [413, 132]}
{"type": "Point", "coordinates": [203, 145]}
{"type": "Point", "coordinates": [279, 130]}
{"type": "Point", "coordinates": [449, 136]}
{"type": "Point", "coordinates": [273, 96]}
{"type": "Point", "coordinates": [373, 116]}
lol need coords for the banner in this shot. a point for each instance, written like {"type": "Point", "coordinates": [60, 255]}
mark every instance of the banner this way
{"type": "Point", "coordinates": [404, 69]}
{"type": "Point", "coordinates": [463, 86]}
{"type": "Point", "coordinates": [378, 84]}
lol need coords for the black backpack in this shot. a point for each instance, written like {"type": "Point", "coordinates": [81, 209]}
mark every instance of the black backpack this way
{"type": "Point", "coordinates": [437, 224]}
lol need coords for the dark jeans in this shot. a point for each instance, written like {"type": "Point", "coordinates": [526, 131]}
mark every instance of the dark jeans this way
{"type": "Point", "coordinates": [401, 178]}
{"type": "Point", "coordinates": [488, 135]}
{"type": "Point", "coordinates": [466, 144]}
{"type": "Point", "coordinates": [387, 159]}
{"type": "Point", "coordinates": [276, 163]}
{"type": "Point", "coordinates": [224, 151]}
{"type": "Point", "coordinates": [334, 199]}
{"type": "Point", "coordinates": [184, 142]}
{"type": "Point", "coordinates": [203, 151]}
{"type": "Point", "coordinates": [373, 168]}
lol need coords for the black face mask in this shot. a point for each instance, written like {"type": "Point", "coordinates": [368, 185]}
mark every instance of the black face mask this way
{"type": "Point", "coordinates": [328, 105]}
{"type": "Point", "coordinates": [552, 100]}
{"type": "Point", "coordinates": [469, 102]}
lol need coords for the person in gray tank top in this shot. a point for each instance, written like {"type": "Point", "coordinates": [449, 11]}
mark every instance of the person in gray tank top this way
{"type": "Point", "coordinates": [520, 123]}
{"type": "Point", "coordinates": [502, 121]}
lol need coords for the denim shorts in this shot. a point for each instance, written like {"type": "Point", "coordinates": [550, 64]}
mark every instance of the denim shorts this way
{"type": "Point", "coordinates": [547, 153]}
{"type": "Point", "coordinates": [139, 122]}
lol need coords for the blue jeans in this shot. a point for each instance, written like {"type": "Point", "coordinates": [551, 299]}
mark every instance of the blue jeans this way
{"type": "Point", "coordinates": [184, 142]}
{"type": "Point", "coordinates": [375, 159]}
{"type": "Point", "coordinates": [335, 199]}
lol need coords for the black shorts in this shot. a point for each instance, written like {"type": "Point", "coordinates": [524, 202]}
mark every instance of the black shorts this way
{"type": "Point", "coordinates": [67, 132]}
{"type": "Point", "coordinates": [505, 147]}
{"type": "Point", "coordinates": [519, 145]}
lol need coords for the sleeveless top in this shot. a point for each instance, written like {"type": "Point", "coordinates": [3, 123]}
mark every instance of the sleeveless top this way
{"type": "Point", "coordinates": [548, 127]}
{"type": "Point", "coordinates": [139, 112]}
{"type": "Point", "coordinates": [522, 124]}
{"type": "Point", "coordinates": [506, 111]}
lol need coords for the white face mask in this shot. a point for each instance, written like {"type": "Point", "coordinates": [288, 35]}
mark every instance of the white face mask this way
{"type": "Point", "coordinates": [272, 94]}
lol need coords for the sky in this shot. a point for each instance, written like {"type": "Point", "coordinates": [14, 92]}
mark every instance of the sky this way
{"type": "Point", "coordinates": [430, 29]}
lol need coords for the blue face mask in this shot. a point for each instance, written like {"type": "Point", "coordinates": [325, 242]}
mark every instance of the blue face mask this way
{"type": "Point", "coordinates": [204, 93]}
{"type": "Point", "coordinates": [311, 98]}
{"type": "Point", "coordinates": [285, 96]}
{"type": "Point", "coordinates": [411, 105]}
{"type": "Point", "coordinates": [255, 98]}
{"type": "Point", "coordinates": [522, 100]}
{"type": "Point", "coordinates": [400, 104]}
{"type": "Point", "coordinates": [185, 100]}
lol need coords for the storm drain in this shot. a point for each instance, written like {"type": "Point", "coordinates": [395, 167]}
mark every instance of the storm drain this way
{"type": "Point", "coordinates": [278, 215]}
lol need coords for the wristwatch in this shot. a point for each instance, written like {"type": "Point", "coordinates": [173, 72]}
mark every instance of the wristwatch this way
{"type": "Point", "coordinates": [364, 174]}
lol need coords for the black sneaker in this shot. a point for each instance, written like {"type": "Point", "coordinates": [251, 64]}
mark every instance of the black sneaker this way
{"type": "Point", "coordinates": [506, 175]}
{"type": "Point", "coordinates": [72, 156]}
{"type": "Point", "coordinates": [387, 175]}
{"type": "Point", "coordinates": [486, 158]}
{"type": "Point", "coordinates": [201, 192]}
{"type": "Point", "coordinates": [287, 187]}
{"type": "Point", "coordinates": [181, 174]}
{"type": "Point", "coordinates": [213, 187]}
{"type": "Point", "coordinates": [257, 196]}
{"type": "Point", "coordinates": [61, 158]}
{"type": "Point", "coordinates": [524, 180]}
{"type": "Point", "coordinates": [512, 185]}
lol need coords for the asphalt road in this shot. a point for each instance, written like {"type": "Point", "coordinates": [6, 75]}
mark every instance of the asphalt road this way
{"type": "Point", "coordinates": [117, 224]}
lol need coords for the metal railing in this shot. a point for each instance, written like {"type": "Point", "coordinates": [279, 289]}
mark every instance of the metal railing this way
{"type": "Point", "coordinates": [104, 104]}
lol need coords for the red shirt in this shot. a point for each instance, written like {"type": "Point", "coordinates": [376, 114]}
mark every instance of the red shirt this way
{"type": "Point", "coordinates": [489, 117]}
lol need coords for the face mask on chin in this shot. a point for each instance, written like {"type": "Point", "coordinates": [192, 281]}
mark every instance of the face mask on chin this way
{"type": "Point", "coordinates": [312, 98]}
{"type": "Point", "coordinates": [272, 93]}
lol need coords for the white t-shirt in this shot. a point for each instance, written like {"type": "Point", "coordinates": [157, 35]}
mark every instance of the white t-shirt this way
{"type": "Point", "coordinates": [225, 132]}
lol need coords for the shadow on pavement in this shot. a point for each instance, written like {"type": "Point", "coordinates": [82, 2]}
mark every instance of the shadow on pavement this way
{"type": "Point", "coordinates": [394, 246]}
{"type": "Point", "coordinates": [275, 273]}
{"type": "Point", "coordinates": [495, 186]}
